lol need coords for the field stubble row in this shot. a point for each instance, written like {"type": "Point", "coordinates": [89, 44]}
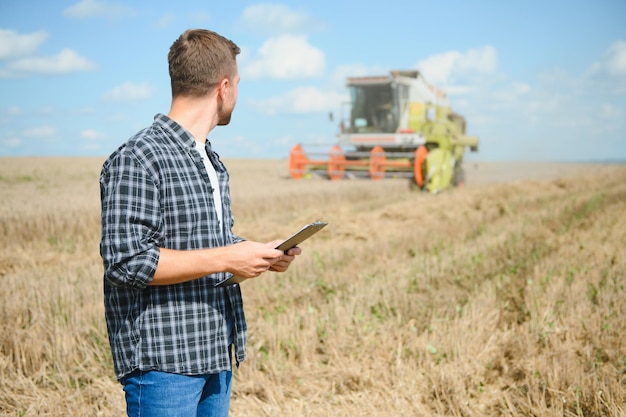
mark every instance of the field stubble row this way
{"type": "Point", "coordinates": [500, 299]}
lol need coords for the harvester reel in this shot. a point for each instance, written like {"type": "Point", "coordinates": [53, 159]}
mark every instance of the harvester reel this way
{"type": "Point", "coordinates": [297, 162]}
{"type": "Point", "coordinates": [336, 163]}
{"type": "Point", "coordinates": [418, 165]}
{"type": "Point", "coordinates": [376, 164]}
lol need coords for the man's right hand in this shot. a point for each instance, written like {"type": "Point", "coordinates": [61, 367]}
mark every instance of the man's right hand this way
{"type": "Point", "coordinates": [249, 259]}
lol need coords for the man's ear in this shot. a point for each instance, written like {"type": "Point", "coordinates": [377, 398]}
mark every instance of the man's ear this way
{"type": "Point", "coordinates": [223, 87]}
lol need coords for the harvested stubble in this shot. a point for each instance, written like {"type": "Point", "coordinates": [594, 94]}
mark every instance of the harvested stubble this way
{"type": "Point", "coordinates": [500, 299]}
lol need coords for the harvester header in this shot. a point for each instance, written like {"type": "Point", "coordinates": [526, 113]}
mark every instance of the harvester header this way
{"type": "Point", "coordinates": [399, 126]}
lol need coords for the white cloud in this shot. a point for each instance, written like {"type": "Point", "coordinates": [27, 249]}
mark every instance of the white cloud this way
{"type": "Point", "coordinates": [512, 92]}
{"type": "Point", "coordinates": [14, 45]}
{"type": "Point", "coordinates": [610, 112]}
{"type": "Point", "coordinates": [14, 110]}
{"type": "Point", "coordinates": [129, 92]}
{"type": "Point", "coordinates": [557, 107]}
{"type": "Point", "coordinates": [459, 90]}
{"type": "Point", "coordinates": [613, 61]}
{"type": "Point", "coordinates": [455, 67]}
{"type": "Point", "coordinates": [286, 57]}
{"type": "Point", "coordinates": [20, 50]}
{"type": "Point", "coordinates": [67, 61]}
{"type": "Point", "coordinates": [480, 61]}
{"type": "Point", "coordinates": [437, 69]}
{"type": "Point", "coordinates": [92, 135]}
{"type": "Point", "coordinates": [49, 110]}
{"type": "Point", "coordinates": [300, 100]}
{"type": "Point", "coordinates": [86, 110]}
{"type": "Point", "coordinates": [12, 142]}
{"type": "Point", "coordinates": [166, 21]}
{"type": "Point", "coordinates": [86, 9]}
{"type": "Point", "coordinates": [278, 18]}
{"type": "Point", "coordinates": [41, 132]}
{"type": "Point", "coordinates": [557, 79]}
{"type": "Point", "coordinates": [609, 73]}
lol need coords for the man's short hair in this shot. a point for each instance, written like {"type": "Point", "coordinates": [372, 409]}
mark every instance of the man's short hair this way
{"type": "Point", "coordinates": [198, 60]}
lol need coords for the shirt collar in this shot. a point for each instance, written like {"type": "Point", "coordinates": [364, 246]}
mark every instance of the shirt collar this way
{"type": "Point", "coordinates": [177, 131]}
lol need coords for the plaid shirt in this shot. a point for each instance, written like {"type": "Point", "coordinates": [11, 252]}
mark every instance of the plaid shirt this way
{"type": "Point", "coordinates": [156, 193]}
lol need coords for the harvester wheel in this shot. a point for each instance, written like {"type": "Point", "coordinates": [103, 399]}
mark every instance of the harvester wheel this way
{"type": "Point", "coordinates": [420, 156]}
{"type": "Point", "coordinates": [297, 162]}
{"type": "Point", "coordinates": [377, 163]}
{"type": "Point", "coordinates": [336, 163]}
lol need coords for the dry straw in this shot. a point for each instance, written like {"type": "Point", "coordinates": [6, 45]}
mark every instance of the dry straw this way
{"type": "Point", "coordinates": [501, 299]}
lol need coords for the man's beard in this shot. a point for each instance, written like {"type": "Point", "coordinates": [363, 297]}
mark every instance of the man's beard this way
{"type": "Point", "coordinates": [224, 115]}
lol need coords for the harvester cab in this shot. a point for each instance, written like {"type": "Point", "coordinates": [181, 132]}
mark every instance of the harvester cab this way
{"type": "Point", "coordinates": [398, 126]}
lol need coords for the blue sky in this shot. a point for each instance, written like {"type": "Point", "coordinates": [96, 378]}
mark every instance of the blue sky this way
{"type": "Point", "coordinates": [536, 80]}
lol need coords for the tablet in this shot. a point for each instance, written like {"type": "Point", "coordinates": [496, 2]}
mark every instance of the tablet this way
{"type": "Point", "coordinates": [295, 239]}
{"type": "Point", "coordinates": [301, 235]}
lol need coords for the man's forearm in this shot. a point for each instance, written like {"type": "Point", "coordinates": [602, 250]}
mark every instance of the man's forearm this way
{"type": "Point", "coordinates": [246, 259]}
{"type": "Point", "coordinates": [176, 266]}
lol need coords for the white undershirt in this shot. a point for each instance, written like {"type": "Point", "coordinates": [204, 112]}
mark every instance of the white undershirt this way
{"type": "Point", "coordinates": [215, 184]}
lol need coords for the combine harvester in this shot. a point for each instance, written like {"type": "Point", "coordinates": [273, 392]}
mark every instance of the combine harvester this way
{"type": "Point", "coordinates": [399, 126]}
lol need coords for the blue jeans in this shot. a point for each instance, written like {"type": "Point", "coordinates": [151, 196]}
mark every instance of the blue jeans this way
{"type": "Point", "coordinates": [161, 394]}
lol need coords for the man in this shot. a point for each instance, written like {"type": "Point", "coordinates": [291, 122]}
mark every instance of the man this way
{"type": "Point", "coordinates": [167, 241]}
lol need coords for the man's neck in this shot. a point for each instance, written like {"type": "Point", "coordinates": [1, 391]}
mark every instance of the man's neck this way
{"type": "Point", "coordinates": [196, 114]}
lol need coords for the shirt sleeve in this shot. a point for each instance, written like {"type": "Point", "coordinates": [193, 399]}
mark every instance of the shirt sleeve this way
{"type": "Point", "coordinates": [131, 220]}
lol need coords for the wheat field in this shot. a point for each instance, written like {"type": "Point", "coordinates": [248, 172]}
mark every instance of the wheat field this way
{"type": "Point", "coordinates": [502, 298]}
